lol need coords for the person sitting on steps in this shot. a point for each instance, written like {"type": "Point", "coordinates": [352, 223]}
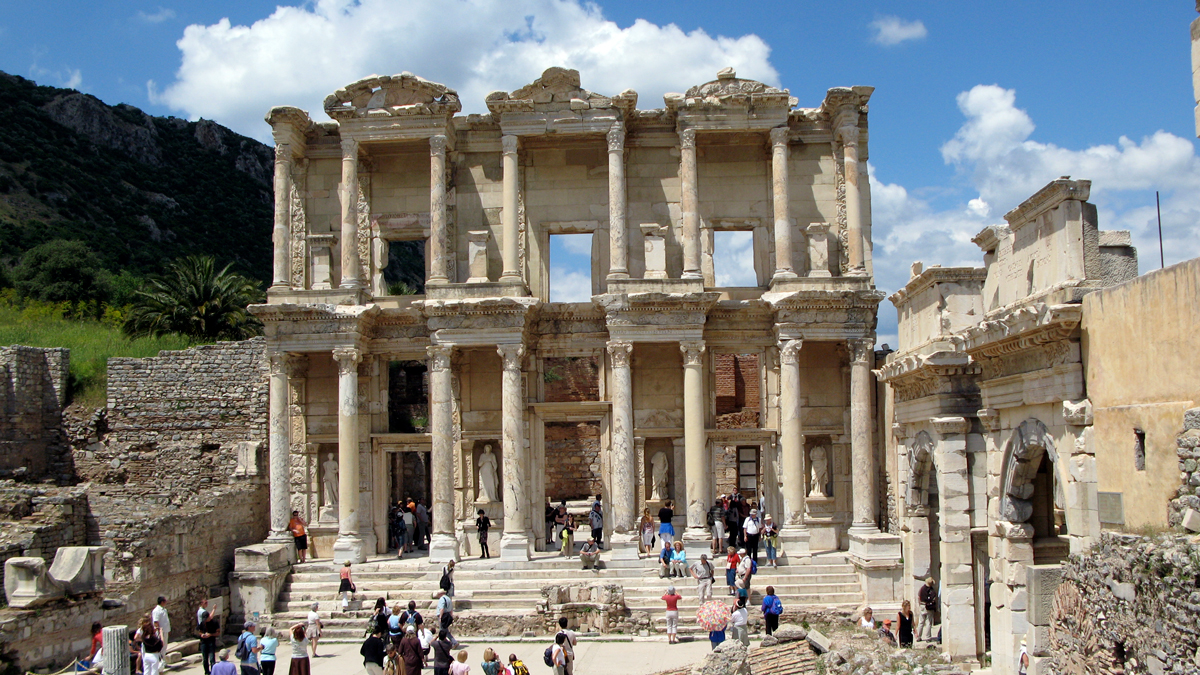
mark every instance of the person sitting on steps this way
{"type": "Point", "coordinates": [590, 554]}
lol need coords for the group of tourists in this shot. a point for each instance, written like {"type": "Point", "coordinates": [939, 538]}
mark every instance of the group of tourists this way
{"type": "Point", "coordinates": [737, 627]}
{"type": "Point", "coordinates": [901, 631]}
{"type": "Point", "coordinates": [735, 522]}
{"type": "Point", "coordinates": [408, 526]}
{"type": "Point", "coordinates": [561, 526]}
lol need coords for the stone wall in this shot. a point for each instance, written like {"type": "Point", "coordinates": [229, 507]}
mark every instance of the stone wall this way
{"type": "Point", "coordinates": [1187, 447]}
{"type": "Point", "coordinates": [572, 460]}
{"type": "Point", "coordinates": [571, 378]}
{"type": "Point", "coordinates": [36, 520]}
{"type": "Point", "coordinates": [33, 391]}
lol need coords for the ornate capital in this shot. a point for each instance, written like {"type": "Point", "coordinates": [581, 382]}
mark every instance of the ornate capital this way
{"type": "Point", "coordinates": [687, 139]}
{"type": "Point", "coordinates": [509, 144]}
{"type": "Point", "coordinates": [349, 149]}
{"type": "Point", "coordinates": [861, 349]}
{"type": "Point", "coordinates": [990, 419]}
{"type": "Point", "coordinates": [950, 426]}
{"type": "Point", "coordinates": [278, 362]}
{"type": "Point", "coordinates": [789, 352]}
{"type": "Point", "coordinates": [779, 136]}
{"type": "Point", "coordinates": [692, 352]}
{"type": "Point", "coordinates": [347, 359]}
{"type": "Point", "coordinates": [848, 134]}
{"type": "Point", "coordinates": [511, 355]}
{"type": "Point", "coordinates": [437, 145]}
{"type": "Point", "coordinates": [619, 353]}
{"type": "Point", "coordinates": [616, 138]}
{"type": "Point", "coordinates": [439, 357]}
{"type": "Point", "coordinates": [283, 153]}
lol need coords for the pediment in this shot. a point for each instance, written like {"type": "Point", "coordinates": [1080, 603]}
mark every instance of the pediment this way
{"type": "Point", "coordinates": [730, 90]}
{"type": "Point", "coordinates": [392, 95]}
{"type": "Point", "coordinates": [558, 89]}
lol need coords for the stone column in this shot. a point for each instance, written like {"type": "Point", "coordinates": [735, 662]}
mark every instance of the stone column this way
{"type": "Point", "coordinates": [689, 204]}
{"type": "Point", "coordinates": [618, 239]}
{"type": "Point", "coordinates": [624, 488]}
{"type": "Point", "coordinates": [281, 235]}
{"type": "Point", "coordinates": [510, 244]}
{"type": "Point", "coordinates": [279, 448]}
{"type": "Point", "coordinates": [784, 268]}
{"type": "Point", "coordinates": [791, 434]}
{"type": "Point", "coordinates": [351, 272]}
{"type": "Point", "coordinates": [862, 460]}
{"type": "Point", "coordinates": [349, 544]}
{"type": "Point", "coordinates": [116, 650]}
{"type": "Point", "coordinates": [514, 545]}
{"type": "Point", "coordinates": [443, 545]}
{"type": "Point", "coordinates": [438, 269]}
{"type": "Point", "coordinates": [855, 261]}
{"type": "Point", "coordinates": [955, 578]}
{"type": "Point", "coordinates": [696, 464]}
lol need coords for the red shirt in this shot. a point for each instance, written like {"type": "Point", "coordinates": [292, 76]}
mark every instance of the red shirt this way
{"type": "Point", "coordinates": [672, 602]}
{"type": "Point", "coordinates": [97, 641]}
{"type": "Point", "coordinates": [733, 561]}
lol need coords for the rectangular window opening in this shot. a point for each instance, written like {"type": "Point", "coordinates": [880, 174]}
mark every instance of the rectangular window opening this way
{"type": "Point", "coordinates": [408, 397]}
{"type": "Point", "coordinates": [571, 267]}
{"type": "Point", "coordinates": [733, 259]}
{"type": "Point", "coordinates": [405, 271]}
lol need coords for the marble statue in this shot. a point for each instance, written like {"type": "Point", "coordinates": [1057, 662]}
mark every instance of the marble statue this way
{"type": "Point", "coordinates": [487, 475]}
{"type": "Point", "coordinates": [658, 476]}
{"type": "Point", "coordinates": [820, 472]}
{"type": "Point", "coordinates": [329, 482]}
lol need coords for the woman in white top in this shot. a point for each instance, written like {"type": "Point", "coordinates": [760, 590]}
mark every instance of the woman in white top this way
{"type": "Point", "coordinates": [314, 628]}
{"type": "Point", "coordinates": [868, 619]}
{"type": "Point", "coordinates": [300, 664]}
{"type": "Point", "coordinates": [739, 619]}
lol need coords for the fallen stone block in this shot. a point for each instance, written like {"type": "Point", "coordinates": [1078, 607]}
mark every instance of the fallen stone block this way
{"type": "Point", "coordinates": [790, 632]}
{"type": "Point", "coordinates": [819, 642]}
{"type": "Point", "coordinates": [28, 584]}
{"type": "Point", "coordinates": [1191, 520]}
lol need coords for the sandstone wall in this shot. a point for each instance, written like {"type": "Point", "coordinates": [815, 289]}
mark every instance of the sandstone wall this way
{"type": "Point", "coordinates": [33, 391]}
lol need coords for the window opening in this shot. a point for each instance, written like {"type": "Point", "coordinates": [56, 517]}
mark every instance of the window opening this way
{"type": "Point", "coordinates": [1139, 450]}
{"type": "Point", "coordinates": [748, 471]}
{"type": "Point", "coordinates": [408, 397]}
{"type": "Point", "coordinates": [405, 271]}
{"type": "Point", "coordinates": [733, 259]}
{"type": "Point", "coordinates": [571, 267]}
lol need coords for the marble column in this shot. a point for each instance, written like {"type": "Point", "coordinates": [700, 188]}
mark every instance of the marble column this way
{"type": "Point", "coordinates": [689, 204]}
{"type": "Point", "coordinates": [791, 434]}
{"type": "Point", "coordinates": [279, 448]}
{"type": "Point", "coordinates": [116, 650]}
{"type": "Point", "coordinates": [618, 238]}
{"type": "Point", "coordinates": [514, 544]}
{"type": "Point", "coordinates": [624, 488]}
{"type": "Point", "coordinates": [443, 545]}
{"type": "Point", "coordinates": [281, 235]}
{"type": "Point", "coordinates": [862, 460]}
{"type": "Point", "coordinates": [510, 250]}
{"type": "Point", "coordinates": [784, 269]}
{"type": "Point", "coordinates": [351, 269]}
{"type": "Point", "coordinates": [696, 464]}
{"type": "Point", "coordinates": [855, 261]}
{"type": "Point", "coordinates": [349, 544]}
{"type": "Point", "coordinates": [438, 269]}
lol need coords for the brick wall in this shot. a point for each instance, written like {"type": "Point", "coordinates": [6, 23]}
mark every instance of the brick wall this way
{"type": "Point", "coordinates": [737, 390]}
{"type": "Point", "coordinates": [572, 460]}
{"type": "Point", "coordinates": [571, 378]}
{"type": "Point", "coordinates": [33, 391]}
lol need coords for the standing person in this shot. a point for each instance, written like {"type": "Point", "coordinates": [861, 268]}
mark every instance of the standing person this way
{"type": "Point", "coordinates": [299, 530]}
{"type": "Point", "coordinates": [247, 649]}
{"type": "Point", "coordinates": [560, 520]}
{"type": "Point", "coordinates": [313, 631]}
{"type": "Point", "coordinates": [568, 537]}
{"type": "Point", "coordinates": [446, 582]}
{"type": "Point", "coordinates": [152, 647]}
{"type": "Point", "coordinates": [679, 561]}
{"type": "Point", "coordinates": [224, 667]}
{"type": "Point", "coordinates": [459, 666]}
{"type": "Point", "coordinates": [596, 521]}
{"type": "Point", "coordinates": [491, 663]}
{"type": "Point", "coordinates": [200, 610]}
{"type": "Point", "coordinates": [770, 537]}
{"type": "Point", "coordinates": [441, 653]}
{"type": "Point", "coordinates": [411, 615]}
{"type": "Point", "coordinates": [731, 565]}
{"type": "Point", "coordinates": [550, 511]}
{"type": "Point", "coordinates": [162, 622]}
{"type": "Point", "coordinates": [300, 664]}
{"type": "Point", "coordinates": [346, 587]}
{"type": "Point", "coordinates": [771, 609]}
{"type": "Point", "coordinates": [1023, 659]}
{"type": "Point", "coordinates": [646, 531]}
{"type": "Point", "coordinates": [210, 630]}
{"type": "Point", "coordinates": [672, 599]}
{"type": "Point", "coordinates": [411, 651]}
{"type": "Point", "coordinates": [716, 637]}
{"type": "Point", "coordinates": [410, 528]}
{"type": "Point", "coordinates": [590, 554]}
{"type": "Point", "coordinates": [745, 568]}
{"type": "Point", "coordinates": [751, 528]}
{"type": "Point", "coordinates": [422, 525]}
{"type": "Point", "coordinates": [396, 624]}
{"type": "Point", "coordinates": [482, 525]}
{"type": "Point", "coordinates": [716, 521]}
{"type": "Point", "coordinates": [558, 654]}
{"type": "Point", "coordinates": [740, 617]}
{"type": "Point", "coordinates": [735, 517]}
{"type": "Point", "coordinates": [445, 611]}
{"type": "Point", "coordinates": [666, 529]}
{"type": "Point", "coordinates": [402, 531]}
{"type": "Point", "coordinates": [703, 572]}
{"type": "Point", "coordinates": [569, 645]}
{"type": "Point", "coordinates": [98, 643]}
{"type": "Point", "coordinates": [905, 628]}
{"type": "Point", "coordinates": [266, 658]}
{"type": "Point", "coordinates": [927, 596]}
{"type": "Point", "coordinates": [372, 651]}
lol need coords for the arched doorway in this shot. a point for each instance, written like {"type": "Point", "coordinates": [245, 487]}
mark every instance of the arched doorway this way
{"type": "Point", "coordinates": [924, 509]}
{"type": "Point", "coordinates": [1033, 491]}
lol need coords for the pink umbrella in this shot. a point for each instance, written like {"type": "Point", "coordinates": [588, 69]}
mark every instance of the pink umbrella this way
{"type": "Point", "coordinates": [713, 615]}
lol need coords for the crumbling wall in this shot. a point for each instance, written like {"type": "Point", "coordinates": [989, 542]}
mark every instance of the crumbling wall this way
{"type": "Point", "coordinates": [572, 460]}
{"type": "Point", "coordinates": [37, 520]}
{"type": "Point", "coordinates": [33, 391]}
{"type": "Point", "coordinates": [1187, 448]}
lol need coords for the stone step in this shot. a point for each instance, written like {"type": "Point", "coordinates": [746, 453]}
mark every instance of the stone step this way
{"type": "Point", "coordinates": [573, 571]}
{"type": "Point", "coordinates": [473, 583]}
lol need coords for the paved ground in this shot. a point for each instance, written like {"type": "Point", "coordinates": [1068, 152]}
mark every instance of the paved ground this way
{"type": "Point", "coordinates": [593, 657]}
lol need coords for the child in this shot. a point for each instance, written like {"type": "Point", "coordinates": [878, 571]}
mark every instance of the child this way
{"type": "Point", "coordinates": [731, 565]}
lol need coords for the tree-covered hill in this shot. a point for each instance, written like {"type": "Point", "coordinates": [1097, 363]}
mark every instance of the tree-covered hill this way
{"type": "Point", "coordinates": [139, 191]}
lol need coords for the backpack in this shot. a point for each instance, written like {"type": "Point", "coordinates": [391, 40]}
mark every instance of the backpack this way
{"type": "Point", "coordinates": [753, 566]}
{"type": "Point", "coordinates": [548, 656]}
{"type": "Point", "coordinates": [444, 584]}
{"type": "Point", "coordinates": [243, 650]}
{"type": "Point", "coordinates": [152, 643]}
{"type": "Point", "coordinates": [520, 669]}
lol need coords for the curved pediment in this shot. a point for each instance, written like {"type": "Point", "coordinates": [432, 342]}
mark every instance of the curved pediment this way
{"type": "Point", "coordinates": [392, 95]}
{"type": "Point", "coordinates": [557, 89]}
{"type": "Point", "coordinates": [730, 90]}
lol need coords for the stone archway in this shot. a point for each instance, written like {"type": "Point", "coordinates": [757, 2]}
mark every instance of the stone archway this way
{"type": "Point", "coordinates": [923, 508]}
{"type": "Point", "coordinates": [1032, 491]}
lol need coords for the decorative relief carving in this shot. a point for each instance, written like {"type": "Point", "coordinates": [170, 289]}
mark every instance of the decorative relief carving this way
{"type": "Point", "coordinates": [861, 349]}
{"type": "Point", "coordinates": [347, 359]}
{"type": "Point", "coordinates": [687, 139]}
{"type": "Point", "coordinates": [616, 138]}
{"type": "Point", "coordinates": [1036, 357]}
{"type": "Point", "coordinates": [842, 229]}
{"type": "Point", "coordinates": [299, 231]}
{"type": "Point", "coordinates": [950, 426]}
{"type": "Point", "coordinates": [278, 362]}
{"type": "Point", "coordinates": [349, 149]}
{"type": "Point", "coordinates": [619, 353]}
{"type": "Point", "coordinates": [789, 352]}
{"type": "Point", "coordinates": [512, 355]}
{"type": "Point", "coordinates": [364, 228]}
{"type": "Point", "coordinates": [439, 357]}
{"type": "Point", "coordinates": [692, 353]}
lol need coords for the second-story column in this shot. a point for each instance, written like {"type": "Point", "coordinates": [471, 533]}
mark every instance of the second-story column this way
{"type": "Point", "coordinates": [618, 238]}
{"type": "Point", "coordinates": [349, 544]}
{"type": "Point", "coordinates": [862, 460]}
{"type": "Point", "coordinates": [689, 204]}
{"type": "Point", "coordinates": [695, 456]}
{"type": "Point", "coordinates": [791, 433]}
{"type": "Point", "coordinates": [443, 546]}
{"type": "Point", "coordinates": [514, 545]}
{"type": "Point", "coordinates": [438, 269]}
{"type": "Point", "coordinates": [624, 489]}
{"type": "Point", "coordinates": [511, 250]}
{"type": "Point", "coordinates": [855, 260]}
{"type": "Point", "coordinates": [281, 236]}
{"type": "Point", "coordinates": [784, 268]}
{"type": "Point", "coordinates": [351, 269]}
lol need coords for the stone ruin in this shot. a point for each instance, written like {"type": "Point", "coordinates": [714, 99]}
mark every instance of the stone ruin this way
{"type": "Point", "coordinates": [596, 606]}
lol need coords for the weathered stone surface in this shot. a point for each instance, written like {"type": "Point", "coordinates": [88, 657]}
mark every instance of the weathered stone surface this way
{"type": "Point", "coordinates": [790, 633]}
{"type": "Point", "coordinates": [729, 658]}
{"type": "Point", "coordinates": [818, 641]}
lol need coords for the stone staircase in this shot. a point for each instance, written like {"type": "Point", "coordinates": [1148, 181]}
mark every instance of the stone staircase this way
{"type": "Point", "coordinates": [493, 587]}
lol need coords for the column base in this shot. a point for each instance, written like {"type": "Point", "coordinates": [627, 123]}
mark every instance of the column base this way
{"type": "Point", "coordinates": [868, 544]}
{"type": "Point", "coordinates": [511, 277]}
{"type": "Point", "coordinates": [819, 274]}
{"type": "Point", "coordinates": [623, 546]}
{"type": "Point", "coordinates": [514, 546]}
{"type": "Point", "coordinates": [284, 538]}
{"type": "Point", "coordinates": [857, 272]}
{"type": "Point", "coordinates": [618, 275]}
{"type": "Point", "coordinates": [784, 274]}
{"type": "Point", "coordinates": [691, 275]}
{"type": "Point", "coordinates": [696, 535]}
{"type": "Point", "coordinates": [795, 545]}
{"type": "Point", "coordinates": [443, 548]}
{"type": "Point", "coordinates": [349, 547]}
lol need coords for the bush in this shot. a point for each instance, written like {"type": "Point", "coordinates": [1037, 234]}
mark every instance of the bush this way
{"type": "Point", "coordinates": [62, 271]}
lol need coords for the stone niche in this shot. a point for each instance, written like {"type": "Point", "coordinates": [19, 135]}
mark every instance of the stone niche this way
{"type": "Point", "coordinates": [666, 447]}
{"type": "Point", "coordinates": [572, 460]}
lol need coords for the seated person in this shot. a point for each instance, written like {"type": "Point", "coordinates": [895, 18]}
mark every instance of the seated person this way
{"type": "Point", "coordinates": [664, 562]}
{"type": "Point", "coordinates": [679, 561]}
{"type": "Point", "coordinates": [589, 554]}
{"type": "Point", "coordinates": [885, 632]}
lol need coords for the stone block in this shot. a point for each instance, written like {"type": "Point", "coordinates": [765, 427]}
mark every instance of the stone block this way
{"type": "Point", "coordinates": [1020, 598]}
{"type": "Point", "coordinates": [790, 632]}
{"type": "Point", "coordinates": [1039, 640]}
{"type": "Point", "coordinates": [1015, 574]}
{"type": "Point", "coordinates": [1191, 520]}
{"type": "Point", "coordinates": [1078, 413]}
{"type": "Point", "coordinates": [1041, 583]}
{"type": "Point", "coordinates": [819, 642]}
{"type": "Point", "coordinates": [79, 569]}
{"type": "Point", "coordinates": [264, 557]}
{"type": "Point", "coordinates": [28, 584]}
{"type": "Point", "coordinates": [1191, 418]}
{"type": "Point", "coordinates": [1083, 468]}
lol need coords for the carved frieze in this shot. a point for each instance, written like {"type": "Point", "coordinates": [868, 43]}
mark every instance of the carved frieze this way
{"type": "Point", "coordinates": [299, 232]}
{"type": "Point", "coordinates": [1034, 357]}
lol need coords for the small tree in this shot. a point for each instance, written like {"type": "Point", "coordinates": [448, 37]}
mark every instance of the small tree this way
{"type": "Point", "coordinates": [62, 271]}
{"type": "Point", "coordinates": [196, 300]}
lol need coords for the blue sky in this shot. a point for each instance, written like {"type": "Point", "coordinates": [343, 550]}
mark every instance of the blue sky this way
{"type": "Point", "coordinates": [976, 104]}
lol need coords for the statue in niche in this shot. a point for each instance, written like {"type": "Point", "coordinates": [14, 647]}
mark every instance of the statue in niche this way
{"type": "Point", "coordinates": [487, 475]}
{"type": "Point", "coordinates": [329, 481]}
{"type": "Point", "coordinates": [658, 476]}
{"type": "Point", "coordinates": [819, 462]}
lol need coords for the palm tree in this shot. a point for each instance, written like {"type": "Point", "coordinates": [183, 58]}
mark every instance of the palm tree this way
{"type": "Point", "coordinates": [196, 300]}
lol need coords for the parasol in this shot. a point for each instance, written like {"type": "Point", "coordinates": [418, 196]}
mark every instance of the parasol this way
{"type": "Point", "coordinates": [713, 615]}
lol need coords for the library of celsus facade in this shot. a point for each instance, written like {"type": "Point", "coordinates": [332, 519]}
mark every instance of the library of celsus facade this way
{"type": "Point", "coordinates": [478, 392]}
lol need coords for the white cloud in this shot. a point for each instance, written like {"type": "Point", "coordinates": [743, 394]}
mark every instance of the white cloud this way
{"type": "Point", "coordinates": [733, 259]}
{"type": "Point", "coordinates": [892, 30]}
{"type": "Point", "coordinates": [577, 244]}
{"type": "Point", "coordinates": [298, 55]}
{"type": "Point", "coordinates": [67, 77]}
{"type": "Point", "coordinates": [158, 16]}
{"type": "Point", "coordinates": [569, 285]}
{"type": "Point", "coordinates": [74, 79]}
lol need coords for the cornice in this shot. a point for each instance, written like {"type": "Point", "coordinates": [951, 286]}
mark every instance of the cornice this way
{"type": "Point", "coordinates": [1021, 328]}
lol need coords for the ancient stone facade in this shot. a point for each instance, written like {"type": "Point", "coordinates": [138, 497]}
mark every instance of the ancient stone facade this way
{"type": "Point", "coordinates": [33, 391]}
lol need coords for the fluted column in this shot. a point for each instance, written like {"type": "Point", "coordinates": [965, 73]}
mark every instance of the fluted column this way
{"type": "Point", "coordinates": [689, 204]}
{"type": "Point", "coordinates": [855, 261]}
{"type": "Point", "coordinates": [442, 546]}
{"type": "Point", "coordinates": [624, 489]}
{"type": "Point", "coordinates": [861, 457]}
{"type": "Point", "coordinates": [618, 239]}
{"type": "Point", "coordinates": [280, 234]}
{"type": "Point", "coordinates": [279, 447]}
{"type": "Point", "coordinates": [351, 269]}
{"type": "Point", "coordinates": [511, 231]}
{"type": "Point", "coordinates": [116, 650]}
{"type": "Point", "coordinates": [791, 433]}
{"type": "Point", "coordinates": [695, 459]}
{"type": "Point", "coordinates": [514, 545]}
{"type": "Point", "coordinates": [784, 268]}
{"type": "Point", "coordinates": [438, 272]}
{"type": "Point", "coordinates": [349, 545]}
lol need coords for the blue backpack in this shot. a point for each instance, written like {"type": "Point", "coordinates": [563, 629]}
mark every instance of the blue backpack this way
{"type": "Point", "coordinates": [753, 566]}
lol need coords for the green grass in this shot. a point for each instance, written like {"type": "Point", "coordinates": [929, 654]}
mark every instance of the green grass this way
{"type": "Point", "coordinates": [91, 343]}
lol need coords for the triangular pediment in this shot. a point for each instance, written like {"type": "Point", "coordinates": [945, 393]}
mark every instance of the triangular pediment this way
{"type": "Point", "coordinates": [403, 94]}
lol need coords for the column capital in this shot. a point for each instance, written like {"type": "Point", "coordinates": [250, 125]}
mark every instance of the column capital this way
{"type": "Point", "coordinates": [437, 145]}
{"type": "Point", "coordinates": [283, 153]}
{"type": "Point", "coordinates": [349, 148]}
{"type": "Point", "coordinates": [508, 144]}
{"type": "Point", "coordinates": [789, 351]}
{"type": "Point", "coordinates": [512, 355]}
{"type": "Point", "coordinates": [847, 134]}
{"type": "Point", "coordinates": [278, 362]}
{"type": "Point", "coordinates": [779, 136]}
{"type": "Point", "coordinates": [687, 139]}
{"type": "Point", "coordinates": [297, 365]}
{"type": "Point", "coordinates": [989, 418]}
{"type": "Point", "coordinates": [692, 352]}
{"type": "Point", "coordinates": [616, 138]}
{"type": "Point", "coordinates": [439, 357]}
{"type": "Point", "coordinates": [619, 352]}
{"type": "Point", "coordinates": [861, 349]}
{"type": "Point", "coordinates": [347, 359]}
{"type": "Point", "coordinates": [950, 426]}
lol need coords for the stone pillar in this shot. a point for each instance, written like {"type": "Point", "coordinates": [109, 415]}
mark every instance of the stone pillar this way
{"type": "Point", "coordinates": [862, 459]}
{"type": "Point", "coordinates": [618, 238]}
{"type": "Point", "coordinates": [349, 544]}
{"type": "Point", "coordinates": [281, 235]}
{"type": "Point", "coordinates": [696, 464]}
{"type": "Point", "coordinates": [351, 272]}
{"type": "Point", "coordinates": [510, 243]}
{"type": "Point", "coordinates": [514, 545]}
{"type": "Point", "coordinates": [279, 448]}
{"type": "Point", "coordinates": [116, 650]}
{"type": "Point", "coordinates": [689, 204]}
{"type": "Point", "coordinates": [438, 269]}
{"type": "Point", "coordinates": [855, 260]}
{"type": "Point", "coordinates": [791, 434]}
{"type": "Point", "coordinates": [443, 545]}
{"type": "Point", "coordinates": [955, 578]}
{"type": "Point", "coordinates": [784, 268]}
{"type": "Point", "coordinates": [624, 487]}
